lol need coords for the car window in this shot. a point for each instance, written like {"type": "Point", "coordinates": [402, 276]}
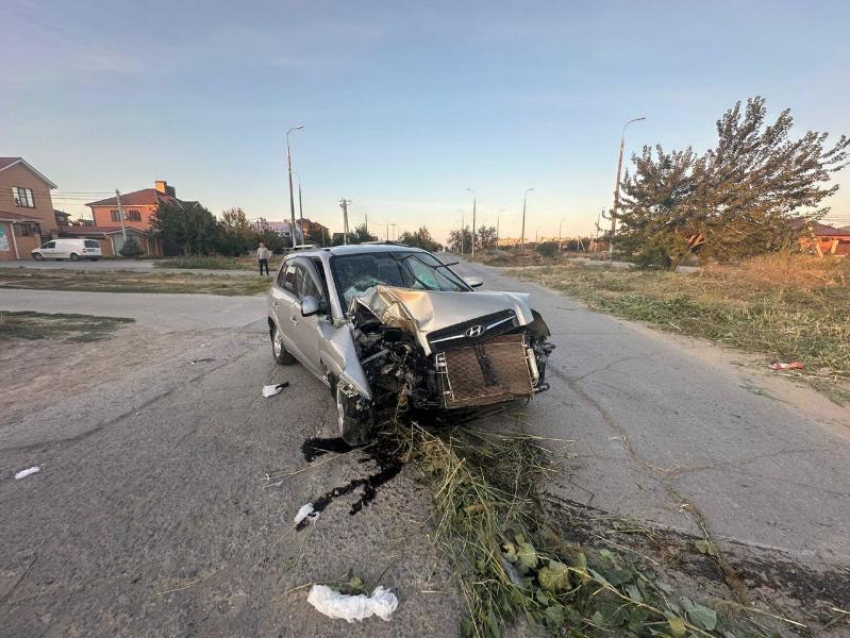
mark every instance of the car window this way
{"type": "Point", "coordinates": [91, 243]}
{"type": "Point", "coordinates": [50, 244]}
{"type": "Point", "coordinates": [288, 279]}
{"type": "Point", "coordinates": [355, 274]}
{"type": "Point", "coordinates": [306, 286]}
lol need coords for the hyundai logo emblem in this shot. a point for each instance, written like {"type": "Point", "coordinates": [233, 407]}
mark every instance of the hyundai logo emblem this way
{"type": "Point", "coordinates": [474, 331]}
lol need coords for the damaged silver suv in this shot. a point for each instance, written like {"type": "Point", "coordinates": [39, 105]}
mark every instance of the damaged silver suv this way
{"type": "Point", "coordinates": [393, 329]}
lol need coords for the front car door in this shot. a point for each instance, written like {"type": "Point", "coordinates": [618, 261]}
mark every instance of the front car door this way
{"type": "Point", "coordinates": [49, 250]}
{"type": "Point", "coordinates": [306, 332]}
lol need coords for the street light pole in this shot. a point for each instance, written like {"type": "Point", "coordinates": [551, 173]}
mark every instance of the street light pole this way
{"type": "Point", "coordinates": [300, 208]}
{"type": "Point", "coordinates": [560, 224]}
{"type": "Point", "coordinates": [474, 198]}
{"type": "Point", "coordinates": [617, 188]}
{"type": "Point", "coordinates": [522, 236]}
{"type": "Point", "coordinates": [300, 127]}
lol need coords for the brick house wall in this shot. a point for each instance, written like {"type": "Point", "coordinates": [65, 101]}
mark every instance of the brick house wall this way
{"type": "Point", "coordinates": [20, 176]}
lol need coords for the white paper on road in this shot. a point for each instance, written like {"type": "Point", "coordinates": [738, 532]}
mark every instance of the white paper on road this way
{"type": "Point", "coordinates": [304, 512]}
{"type": "Point", "coordinates": [25, 473]}
{"type": "Point", "coordinates": [271, 390]}
{"type": "Point", "coordinates": [331, 603]}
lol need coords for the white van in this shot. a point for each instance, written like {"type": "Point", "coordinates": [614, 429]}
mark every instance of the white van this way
{"type": "Point", "coordinates": [73, 249]}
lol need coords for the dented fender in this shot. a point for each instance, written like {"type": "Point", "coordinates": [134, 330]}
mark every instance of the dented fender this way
{"type": "Point", "coordinates": [339, 357]}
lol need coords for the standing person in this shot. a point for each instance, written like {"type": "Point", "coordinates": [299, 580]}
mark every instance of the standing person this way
{"type": "Point", "coordinates": [263, 258]}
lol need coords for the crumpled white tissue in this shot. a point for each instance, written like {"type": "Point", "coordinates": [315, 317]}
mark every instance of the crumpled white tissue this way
{"type": "Point", "coordinates": [271, 390]}
{"type": "Point", "coordinates": [25, 473]}
{"type": "Point", "coordinates": [381, 603]}
{"type": "Point", "coordinates": [304, 512]}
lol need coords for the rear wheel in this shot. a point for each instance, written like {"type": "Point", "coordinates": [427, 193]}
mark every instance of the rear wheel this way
{"type": "Point", "coordinates": [75, 257]}
{"type": "Point", "coordinates": [355, 419]}
{"type": "Point", "coordinates": [281, 356]}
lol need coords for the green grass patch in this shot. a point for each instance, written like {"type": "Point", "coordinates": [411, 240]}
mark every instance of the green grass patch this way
{"type": "Point", "coordinates": [512, 566]}
{"type": "Point", "coordinates": [70, 327]}
{"type": "Point", "coordinates": [215, 263]}
{"type": "Point", "coordinates": [785, 308]}
{"type": "Point", "coordinates": [133, 281]}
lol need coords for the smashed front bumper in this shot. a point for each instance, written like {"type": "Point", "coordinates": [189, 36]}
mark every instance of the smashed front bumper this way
{"type": "Point", "coordinates": [500, 369]}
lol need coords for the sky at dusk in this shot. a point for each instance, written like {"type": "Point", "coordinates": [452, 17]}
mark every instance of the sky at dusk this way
{"type": "Point", "coordinates": [405, 105]}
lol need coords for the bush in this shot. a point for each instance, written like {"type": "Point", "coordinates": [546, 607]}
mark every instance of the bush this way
{"type": "Point", "coordinates": [548, 249]}
{"type": "Point", "coordinates": [131, 248]}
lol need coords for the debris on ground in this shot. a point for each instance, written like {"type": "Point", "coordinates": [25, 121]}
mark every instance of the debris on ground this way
{"type": "Point", "coordinates": [793, 365]}
{"type": "Point", "coordinates": [25, 473]}
{"type": "Point", "coordinates": [331, 603]}
{"type": "Point", "coordinates": [306, 512]}
{"type": "Point", "coordinates": [271, 390]}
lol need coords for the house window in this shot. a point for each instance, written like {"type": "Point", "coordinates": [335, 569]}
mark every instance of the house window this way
{"type": "Point", "coordinates": [116, 216]}
{"type": "Point", "coordinates": [23, 197]}
{"type": "Point", "coordinates": [134, 216]}
{"type": "Point", "coordinates": [22, 230]}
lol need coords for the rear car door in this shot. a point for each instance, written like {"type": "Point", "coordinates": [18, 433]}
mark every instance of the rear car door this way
{"type": "Point", "coordinates": [283, 294]}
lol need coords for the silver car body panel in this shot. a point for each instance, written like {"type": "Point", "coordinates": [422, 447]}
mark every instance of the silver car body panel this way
{"type": "Point", "coordinates": [422, 312]}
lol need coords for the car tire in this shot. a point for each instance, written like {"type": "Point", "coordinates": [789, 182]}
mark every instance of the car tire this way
{"type": "Point", "coordinates": [75, 257]}
{"type": "Point", "coordinates": [281, 356]}
{"type": "Point", "coordinates": [355, 425]}
{"type": "Point", "coordinates": [38, 256]}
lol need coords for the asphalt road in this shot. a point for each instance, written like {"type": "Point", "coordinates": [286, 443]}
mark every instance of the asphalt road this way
{"type": "Point", "coordinates": [671, 430]}
{"type": "Point", "coordinates": [152, 514]}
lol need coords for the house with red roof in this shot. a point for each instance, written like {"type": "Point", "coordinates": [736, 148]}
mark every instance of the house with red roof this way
{"type": "Point", "coordinates": [825, 239]}
{"type": "Point", "coordinates": [139, 208]}
{"type": "Point", "coordinates": [27, 218]}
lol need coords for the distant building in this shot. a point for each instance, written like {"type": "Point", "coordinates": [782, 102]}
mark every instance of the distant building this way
{"type": "Point", "coordinates": [825, 239]}
{"type": "Point", "coordinates": [26, 208]}
{"type": "Point", "coordinates": [139, 206]}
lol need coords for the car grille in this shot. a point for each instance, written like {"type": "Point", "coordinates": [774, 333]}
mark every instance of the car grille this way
{"type": "Point", "coordinates": [489, 372]}
{"type": "Point", "coordinates": [486, 327]}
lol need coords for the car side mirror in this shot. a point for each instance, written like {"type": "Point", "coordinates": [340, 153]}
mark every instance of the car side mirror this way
{"type": "Point", "coordinates": [473, 282]}
{"type": "Point", "coordinates": [309, 306]}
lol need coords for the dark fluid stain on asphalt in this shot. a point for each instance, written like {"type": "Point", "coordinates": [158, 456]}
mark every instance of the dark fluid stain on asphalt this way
{"type": "Point", "coordinates": [385, 452]}
{"type": "Point", "coordinates": [314, 447]}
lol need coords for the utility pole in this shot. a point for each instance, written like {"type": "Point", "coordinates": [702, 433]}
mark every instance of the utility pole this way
{"type": "Point", "coordinates": [615, 212]}
{"type": "Point", "coordinates": [462, 234]}
{"type": "Point", "coordinates": [388, 230]}
{"type": "Point", "coordinates": [560, 248]}
{"type": "Point", "coordinates": [474, 198]}
{"type": "Point", "coordinates": [522, 236]}
{"type": "Point", "coordinates": [300, 211]}
{"type": "Point", "coordinates": [121, 214]}
{"type": "Point", "coordinates": [498, 215]}
{"type": "Point", "coordinates": [367, 223]}
{"type": "Point", "coordinates": [300, 127]}
{"type": "Point", "coordinates": [343, 203]}
{"type": "Point", "coordinates": [395, 232]}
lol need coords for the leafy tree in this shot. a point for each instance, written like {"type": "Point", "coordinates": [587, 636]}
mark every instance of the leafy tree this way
{"type": "Point", "coordinates": [455, 243]}
{"type": "Point", "coordinates": [236, 235]}
{"type": "Point", "coordinates": [486, 238]}
{"type": "Point", "coordinates": [131, 248]}
{"type": "Point", "coordinates": [547, 249]}
{"type": "Point", "coordinates": [360, 235]}
{"type": "Point", "coordinates": [190, 227]}
{"type": "Point", "coordinates": [420, 239]}
{"type": "Point", "coordinates": [735, 200]}
{"type": "Point", "coordinates": [319, 235]}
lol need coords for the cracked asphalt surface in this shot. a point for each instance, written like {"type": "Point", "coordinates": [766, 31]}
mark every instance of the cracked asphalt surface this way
{"type": "Point", "coordinates": [152, 516]}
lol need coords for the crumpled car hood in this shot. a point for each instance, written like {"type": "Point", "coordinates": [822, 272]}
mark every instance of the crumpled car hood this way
{"type": "Point", "coordinates": [424, 311]}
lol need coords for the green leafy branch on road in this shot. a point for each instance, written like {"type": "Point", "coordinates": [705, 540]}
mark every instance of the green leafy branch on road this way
{"type": "Point", "coordinates": [512, 566]}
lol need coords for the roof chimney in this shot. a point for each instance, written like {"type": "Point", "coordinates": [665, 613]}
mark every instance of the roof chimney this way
{"type": "Point", "coordinates": [162, 186]}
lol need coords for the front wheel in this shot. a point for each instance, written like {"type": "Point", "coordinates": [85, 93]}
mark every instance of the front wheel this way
{"type": "Point", "coordinates": [38, 256]}
{"type": "Point", "coordinates": [355, 417]}
{"type": "Point", "coordinates": [281, 356]}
